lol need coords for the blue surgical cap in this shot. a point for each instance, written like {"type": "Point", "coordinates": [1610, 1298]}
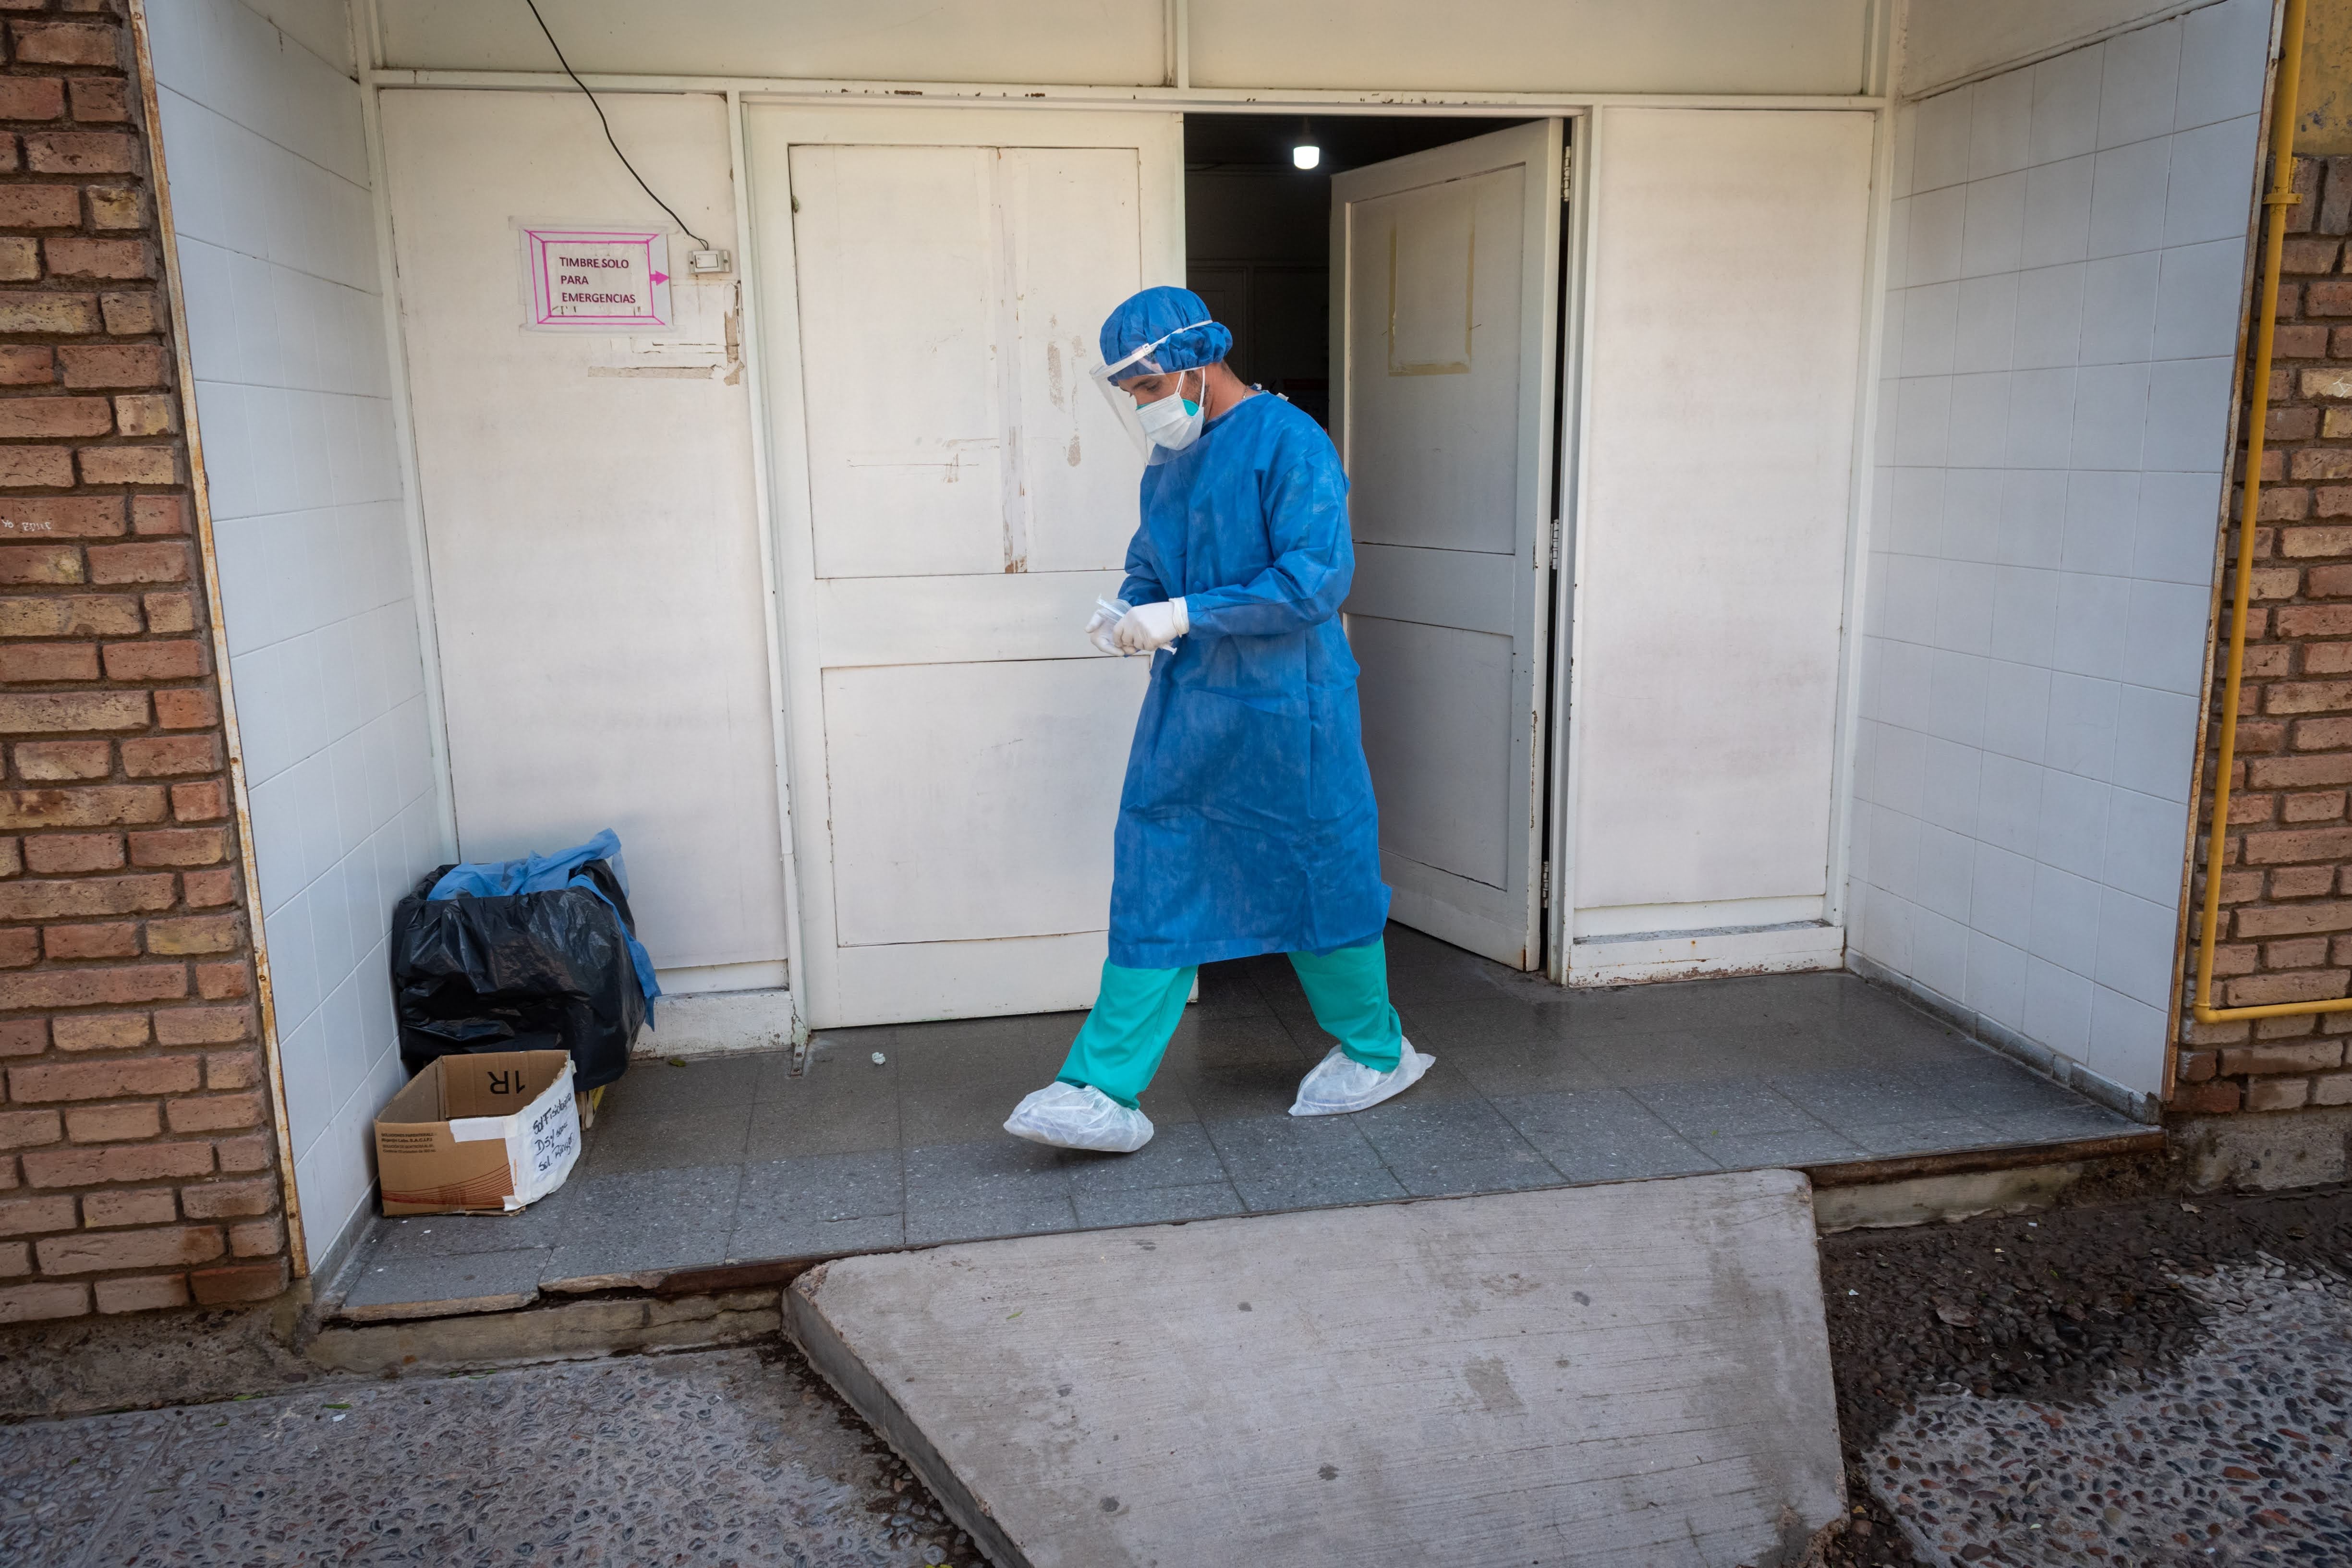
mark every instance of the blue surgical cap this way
{"type": "Point", "coordinates": [1154, 314]}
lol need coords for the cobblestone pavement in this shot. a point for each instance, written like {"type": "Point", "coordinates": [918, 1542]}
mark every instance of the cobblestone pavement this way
{"type": "Point", "coordinates": [711, 1458]}
{"type": "Point", "coordinates": [2238, 1455]}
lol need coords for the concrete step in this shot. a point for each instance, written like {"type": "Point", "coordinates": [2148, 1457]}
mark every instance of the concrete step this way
{"type": "Point", "coordinates": [1598, 1376]}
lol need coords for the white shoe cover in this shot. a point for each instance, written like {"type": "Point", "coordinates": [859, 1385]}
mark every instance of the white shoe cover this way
{"type": "Point", "coordinates": [1338, 1086]}
{"type": "Point", "coordinates": [1066, 1116]}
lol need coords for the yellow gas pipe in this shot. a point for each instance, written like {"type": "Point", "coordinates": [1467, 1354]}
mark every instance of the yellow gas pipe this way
{"type": "Point", "coordinates": [2274, 205]}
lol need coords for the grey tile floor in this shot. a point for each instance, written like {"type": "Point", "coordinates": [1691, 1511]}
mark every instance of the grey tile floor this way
{"type": "Point", "coordinates": [734, 1159]}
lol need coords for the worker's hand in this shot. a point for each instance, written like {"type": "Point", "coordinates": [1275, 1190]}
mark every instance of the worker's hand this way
{"type": "Point", "coordinates": [1107, 616]}
{"type": "Point", "coordinates": [1150, 626]}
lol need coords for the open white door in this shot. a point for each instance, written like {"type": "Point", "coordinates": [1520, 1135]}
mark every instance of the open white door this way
{"type": "Point", "coordinates": [952, 497]}
{"type": "Point", "coordinates": [1445, 343]}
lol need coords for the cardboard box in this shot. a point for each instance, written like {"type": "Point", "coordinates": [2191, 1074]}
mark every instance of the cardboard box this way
{"type": "Point", "coordinates": [475, 1135]}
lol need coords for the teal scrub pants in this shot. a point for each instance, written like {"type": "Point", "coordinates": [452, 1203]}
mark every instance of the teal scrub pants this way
{"type": "Point", "coordinates": [1119, 1045]}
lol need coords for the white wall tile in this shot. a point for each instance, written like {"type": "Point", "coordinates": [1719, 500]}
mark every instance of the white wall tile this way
{"type": "Point", "coordinates": [2001, 895]}
{"type": "Point", "coordinates": [1956, 702]}
{"type": "Point", "coordinates": [286, 327]}
{"type": "Point", "coordinates": [1951, 785]}
{"type": "Point", "coordinates": [2178, 527]}
{"type": "Point", "coordinates": [1964, 608]}
{"type": "Point", "coordinates": [2153, 732]}
{"type": "Point", "coordinates": [2223, 51]}
{"type": "Point", "coordinates": [1972, 506]}
{"type": "Point", "coordinates": [1928, 314]}
{"type": "Point", "coordinates": [2074, 835]}
{"type": "Point", "coordinates": [2120, 1031]}
{"type": "Point", "coordinates": [2110, 415]}
{"type": "Point", "coordinates": [2138, 87]}
{"type": "Point", "coordinates": [1940, 137]}
{"type": "Point", "coordinates": [1923, 420]}
{"type": "Point", "coordinates": [1902, 770]}
{"type": "Point", "coordinates": [1985, 323]}
{"type": "Point", "coordinates": [2017, 707]}
{"type": "Point", "coordinates": [2094, 613]}
{"type": "Point", "coordinates": [2056, 226]}
{"type": "Point", "coordinates": [1939, 952]}
{"type": "Point", "coordinates": [2033, 501]}
{"type": "Point", "coordinates": [1938, 222]}
{"type": "Point", "coordinates": [2000, 118]}
{"type": "Point", "coordinates": [2066, 105]}
{"type": "Point", "coordinates": [2197, 303]}
{"type": "Point", "coordinates": [2009, 803]}
{"type": "Point", "coordinates": [1977, 429]}
{"type": "Point", "coordinates": [1915, 511]}
{"type": "Point", "coordinates": [2119, 308]}
{"type": "Point", "coordinates": [1947, 862]}
{"type": "Point", "coordinates": [1996, 979]}
{"type": "Point", "coordinates": [2057, 1007]}
{"type": "Point", "coordinates": [1993, 229]}
{"type": "Point", "coordinates": [2209, 196]}
{"type": "Point", "coordinates": [2187, 407]}
{"type": "Point", "coordinates": [2127, 197]}
{"type": "Point", "coordinates": [2049, 333]}
{"type": "Point", "coordinates": [2081, 738]}
{"type": "Point", "coordinates": [2134, 946]}
{"type": "Point", "coordinates": [2065, 921]}
{"type": "Point", "coordinates": [2163, 642]}
{"type": "Point", "coordinates": [2145, 845]}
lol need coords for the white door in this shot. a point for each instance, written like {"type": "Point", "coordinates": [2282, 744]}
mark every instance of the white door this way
{"type": "Point", "coordinates": [1445, 333]}
{"type": "Point", "coordinates": [952, 497]}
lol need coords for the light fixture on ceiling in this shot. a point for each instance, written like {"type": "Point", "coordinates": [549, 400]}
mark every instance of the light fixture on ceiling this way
{"type": "Point", "coordinates": [1306, 153]}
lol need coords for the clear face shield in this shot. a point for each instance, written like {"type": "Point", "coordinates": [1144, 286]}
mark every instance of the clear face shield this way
{"type": "Point", "coordinates": [1165, 426]}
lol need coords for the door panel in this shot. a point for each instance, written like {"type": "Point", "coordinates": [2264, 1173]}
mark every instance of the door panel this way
{"type": "Point", "coordinates": [952, 496]}
{"type": "Point", "coordinates": [1444, 372]}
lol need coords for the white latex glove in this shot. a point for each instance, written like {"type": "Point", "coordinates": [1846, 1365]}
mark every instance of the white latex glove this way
{"type": "Point", "coordinates": [1150, 626]}
{"type": "Point", "coordinates": [1107, 614]}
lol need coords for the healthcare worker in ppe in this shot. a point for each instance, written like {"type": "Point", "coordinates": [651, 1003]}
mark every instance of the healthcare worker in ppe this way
{"type": "Point", "coordinates": [1247, 825]}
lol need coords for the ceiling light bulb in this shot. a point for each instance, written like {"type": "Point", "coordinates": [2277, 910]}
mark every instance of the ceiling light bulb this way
{"type": "Point", "coordinates": [1306, 155]}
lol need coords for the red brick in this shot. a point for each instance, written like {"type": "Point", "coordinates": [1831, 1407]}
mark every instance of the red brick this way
{"type": "Point", "coordinates": [98, 805]}
{"type": "Point", "coordinates": [2285, 773]}
{"type": "Point", "coordinates": [157, 515]}
{"type": "Point", "coordinates": [142, 1293]}
{"type": "Point", "coordinates": [205, 802]}
{"type": "Point", "coordinates": [2299, 1055]}
{"type": "Point", "coordinates": [180, 847]}
{"type": "Point", "coordinates": [2279, 504]}
{"type": "Point", "coordinates": [2309, 256]}
{"type": "Point", "coordinates": [195, 934]}
{"type": "Point", "coordinates": [67, 44]}
{"type": "Point", "coordinates": [48, 662]}
{"type": "Point", "coordinates": [2219, 1098]}
{"type": "Point", "coordinates": [179, 659]}
{"type": "Point", "coordinates": [238, 1282]}
{"type": "Point", "coordinates": [2325, 659]}
{"type": "Point", "coordinates": [2331, 381]}
{"type": "Point", "coordinates": [27, 564]}
{"type": "Point", "coordinates": [187, 710]}
{"type": "Point", "coordinates": [117, 207]}
{"type": "Point", "coordinates": [112, 564]}
{"type": "Point", "coordinates": [171, 755]}
{"type": "Point", "coordinates": [131, 315]}
{"type": "Point", "coordinates": [2304, 542]}
{"type": "Point", "coordinates": [2305, 986]}
{"type": "Point", "coordinates": [28, 1129]}
{"type": "Point", "coordinates": [148, 414]}
{"type": "Point", "coordinates": [27, 1216]}
{"type": "Point", "coordinates": [260, 1238]}
{"type": "Point", "coordinates": [49, 314]}
{"type": "Point", "coordinates": [250, 1152]}
{"type": "Point", "coordinates": [75, 615]}
{"type": "Point", "coordinates": [36, 467]}
{"type": "Point", "coordinates": [23, 1037]}
{"type": "Point", "coordinates": [67, 944]}
{"type": "Point", "coordinates": [161, 1248]}
{"type": "Point", "coordinates": [202, 1025]}
{"type": "Point", "coordinates": [119, 365]}
{"type": "Point", "coordinates": [61, 760]}
{"type": "Point", "coordinates": [33, 418]}
{"type": "Point", "coordinates": [2262, 1094]}
{"type": "Point", "coordinates": [16, 1257]}
{"type": "Point", "coordinates": [98, 100]}
{"type": "Point", "coordinates": [2299, 341]}
{"type": "Point", "coordinates": [20, 260]}
{"type": "Point", "coordinates": [2330, 299]}
{"type": "Point", "coordinates": [2333, 1089]}
{"type": "Point", "coordinates": [232, 1069]}
{"type": "Point", "coordinates": [223, 982]}
{"type": "Point", "coordinates": [121, 1078]}
{"type": "Point", "coordinates": [217, 1114]}
{"type": "Point", "coordinates": [26, 365]}
{"type": "Point", "coordinates": [19, 948]}
{"type": "Point", "coordinates": [2307, 844]}
{"type": "Point", "coordinates": [87, 1167]}
{"type": "Point", "coordinates": [38, 1304]}
{"type": "Point", "coordinates": [230, 1200]}
{"type": "Point", "coordinates": [100, 1031]}
{"type": "Point", "coordinates": [112, 1124]}
{"type": "Point", "coordinates": [12, 857]}
{"type": "Point", "coordinates": [210, 889]}
{"type": "Point", "coordinates": [84, 898]}
{"type": "Point", "coordinates": [33, 98]}
{"type": "Point", "coordinates": [2323, 734]}
{"type": "Point", "coordinates": [109, 258]}
{"type": "Point", "coordinates": [2336, 501]}
{"type": "Point", "coordinates": [81, 152]}
{"type": "Point", "coordinates": [129, 465]}
{"type": "Point", "coordinates": [51, 988]}
{"type": "Point", "coordinates": [2311, 463]}
{"type": "Point", "coordinates": [177, 612]}
{"type": "Point", "coordinates": [64, 852]}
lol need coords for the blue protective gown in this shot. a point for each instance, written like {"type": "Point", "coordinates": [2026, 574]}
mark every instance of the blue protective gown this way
{"type": "Point", "coordinates": [1247, 822]}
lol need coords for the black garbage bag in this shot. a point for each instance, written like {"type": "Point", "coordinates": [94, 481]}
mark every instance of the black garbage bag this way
{"type": "Point", "coordinates": [526, 972]}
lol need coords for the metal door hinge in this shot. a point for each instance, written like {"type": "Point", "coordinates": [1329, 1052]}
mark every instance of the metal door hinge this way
{"type": "Point", "coordinates": [1567, 174]}
{"type": "Point", "coordinates": [1547, 884]}
{"type": "Point", "coordinates": [1553, 560]}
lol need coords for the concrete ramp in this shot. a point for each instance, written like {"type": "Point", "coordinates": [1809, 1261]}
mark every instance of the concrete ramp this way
{"type": "Point", "coordinates": [1609, 1376]}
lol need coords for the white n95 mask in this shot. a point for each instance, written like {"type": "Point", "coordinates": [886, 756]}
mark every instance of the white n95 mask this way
{"type": "Point", "coordinates": [1174, 422]}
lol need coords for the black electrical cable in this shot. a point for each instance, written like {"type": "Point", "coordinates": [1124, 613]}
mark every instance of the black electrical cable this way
{"type": "Point", "coordinates": [700, 242]}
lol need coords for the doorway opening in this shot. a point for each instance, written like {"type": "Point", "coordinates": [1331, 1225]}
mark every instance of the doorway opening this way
{"type": "Point", "coordinates": [1400, 279]}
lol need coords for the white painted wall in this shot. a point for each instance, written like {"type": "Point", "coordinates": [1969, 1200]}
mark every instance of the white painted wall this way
{"type": "Point", "coordinates": [1712, 536]}
{"type": "Point", "coordinates": [277, 253]}
{"type": "Point", "coordinates": [2068, 260]}
{"type": "Point", "coordinates": [1945, 41]}
{"type": "Point", "coordinates": [593, 532]}
{"type": "Point", "coordinates": [1657, 45]}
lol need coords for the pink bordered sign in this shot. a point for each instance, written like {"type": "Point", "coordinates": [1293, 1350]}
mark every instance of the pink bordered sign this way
{"type": "Point", "coordinates": [596, 277]}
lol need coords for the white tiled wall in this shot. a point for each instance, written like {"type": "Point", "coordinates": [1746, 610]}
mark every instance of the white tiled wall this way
{"type": "Point", "coordinates": [277, 241]}
{"type": "Point", "coordinates": [2068, 255]}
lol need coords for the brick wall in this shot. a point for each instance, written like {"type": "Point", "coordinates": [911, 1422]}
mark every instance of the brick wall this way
{"type": "Point", "coordinates": [2286, 884]}
{"type": "Point", "coordinates": [137, 1156]}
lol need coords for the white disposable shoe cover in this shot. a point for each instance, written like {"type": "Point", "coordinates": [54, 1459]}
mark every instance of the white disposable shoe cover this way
{"type": "Point", "coordinates": [1067, 1116]}
{"type": "Point", "coordinates": [1338, 1086]}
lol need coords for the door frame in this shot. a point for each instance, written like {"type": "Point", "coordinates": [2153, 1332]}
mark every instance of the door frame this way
{"type": "Point", "coordinates": [882, 97]}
